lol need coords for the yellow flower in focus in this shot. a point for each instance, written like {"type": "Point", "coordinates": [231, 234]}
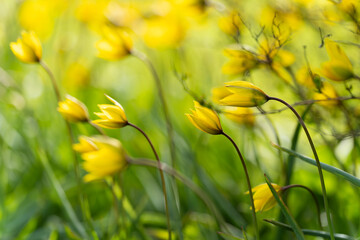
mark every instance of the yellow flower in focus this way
{"type": "Point", "coordinates": [73, 110]}
{"type": "Point", "coordinates": [103, 157]}
{"type": "Point", "coordinates": [205, 119]}
{"type": "Point", "coordinates": [115, 45]}
{"type": "Point", "coordinates": [263, 197]}
{"type": "Point", "coordinates": [327, 92]}
{"type": "Point", "coordinates": [112, 116]}
{"type": "Point", "coordinates": [339, 68]}
{"type": "Point", "coordinates": [219, 93]}
{"type": "Point", "coordinates": [231, 23]}
{"type": "Point", "coordinates": [240, 60]}
{"type": "Point", "coordinates": [244, 94]}
{"type": "Point", "coordinates": [241, 115]}
{"type": "Point", "coordinates": [27, 48]}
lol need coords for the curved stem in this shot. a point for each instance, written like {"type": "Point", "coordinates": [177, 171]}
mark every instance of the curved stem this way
{"type": "Point", "coordinates": [326, 204]}
{"type": "Point", "coordinates": [169, 126]}
{"type": "Point", "coordinates": [248, 183]}
{"type": "Point", "coordinates": [312, 195]}
{"type": "Point", "coordinates": [161, 174]}
{"type": "Point", "coordinates": [52, 78]}
{"type": "Point", "coordinates": [197, 190]}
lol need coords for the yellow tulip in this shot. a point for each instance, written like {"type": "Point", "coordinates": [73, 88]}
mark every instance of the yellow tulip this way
{"type": "Point", "coordinates": [112, 116]}
{"type": "Point", "coordinates": [263, 197]}
{"type": "Point", "coordinates": [339, 68]}
{"type": "Point", "coordinates": [73, 110]}
{"type": "Point", "coordinates": [115, 45]}
{"type": "Point", "coordinates": [106, 158]}
{"type": "Point", "coordinates": [243, 94]}
{"type": "Point", "coordinates": [27, 48]}
{"type": "Point", "coordinates": [327, 92]}
{"type": "Point", "coordinates": [205, 119]}
{"type": "Point", "coordinates": [240, 60]}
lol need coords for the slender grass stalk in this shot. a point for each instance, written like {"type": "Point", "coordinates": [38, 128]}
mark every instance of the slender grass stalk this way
{"type": "Point", "coordinates": [312, 195]}
{"type": "Point", "coordinates": [248, 183]}
{"type": "Point", "coordinates": [323, 188]}
{"type": "Point", "coordinates": [197, 190]}
{"type": "Point", "coordinates": [61, 194]}
{"type": "Point", "coordinates": [326, 235]}
{"type": "Point", "coordinates": [162, 177]}
{"type": "Point", "coordinates": [72, 141]}
{"type": "Point", "coordinates": [169, 127]}
{"type": "Point", "coordinates": [295, 227]}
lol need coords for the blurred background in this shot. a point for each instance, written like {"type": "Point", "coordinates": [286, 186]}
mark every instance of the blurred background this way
{"type": "Point", "coordinates": [194, 46]}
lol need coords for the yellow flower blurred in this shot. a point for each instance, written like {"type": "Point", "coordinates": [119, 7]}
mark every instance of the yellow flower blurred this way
{"type": "Point", "coordinates": [231, 23]}
{"type": "Point", "coordinates": [111, 116]}
{"type": "Point", "coordinates": [103, 157]}
{"type": "Point", "coordinates": [77, 76]}
{"type": "Point", "coordinates": [73, 110]}
{"type": "Point", "coordinates": [339, 68]}
{"type": "Point", "coordinates": [327, 92]}
{"type": "Point", "coordinates": [115, 45]}
{"type": "Point", "coordinates": [241, 115]}
{"type": "Point", "coordinates": [263, 197]}
{"type": "Point", "coordinates": [243, 94]}
{"type": "Point", "coordinates": [241, 59]}
{"type": "Point", "coordinates": [85, 145]}
{"type": "Point", "coordinates": [205, 119]}
{"type": "Point", "coordinates": [91, 12]}
{"type": "Point", "coordinates": [40, 15]}
{"type": "Point", "coordinates": [27, 48]}
{"type": "Point", "coordinates": [163, 31]}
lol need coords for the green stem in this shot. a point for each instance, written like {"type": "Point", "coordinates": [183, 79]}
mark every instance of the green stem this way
{"type": "Point", "coordinates": [197, 190]}
{"type": "Point", "coordinates": [162, 177]}
{"type": "Point", "coordinates": [312, 195]}
{"type": "Point", "coordinates": [169, 126]}
{"type": "Point", "coordinates": [53, 81]}
{"type": "Point", "coordinates": [326, 204]}
{"type": "Point", "coordinates": [96, 127]}
{"type": "Point", "coordinates": [248, 183]}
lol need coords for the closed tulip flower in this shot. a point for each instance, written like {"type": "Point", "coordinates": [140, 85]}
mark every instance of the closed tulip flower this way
{"type": "Point", "coordinates": [27, 48]}
{"type": "Point", "coordinates": [73, 110]}
{"type": "Point", "coordinates": [263, 197]}
{"type": "Point", "coordinates": [243, 94]}
{"type": "Point", "coordinates": [205, 119]}
{"type": "Point", "coordinates": [103, 157]}
{"type": "Point", "coordinates": [111, 116]}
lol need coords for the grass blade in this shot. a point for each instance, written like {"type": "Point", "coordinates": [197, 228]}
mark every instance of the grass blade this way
{"type": "Point", "coordinates": [345, 175]}
{"type": "Point", "coordinates": [310, 232]}
{"type": "Point", "coordinates": [299, 234]}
